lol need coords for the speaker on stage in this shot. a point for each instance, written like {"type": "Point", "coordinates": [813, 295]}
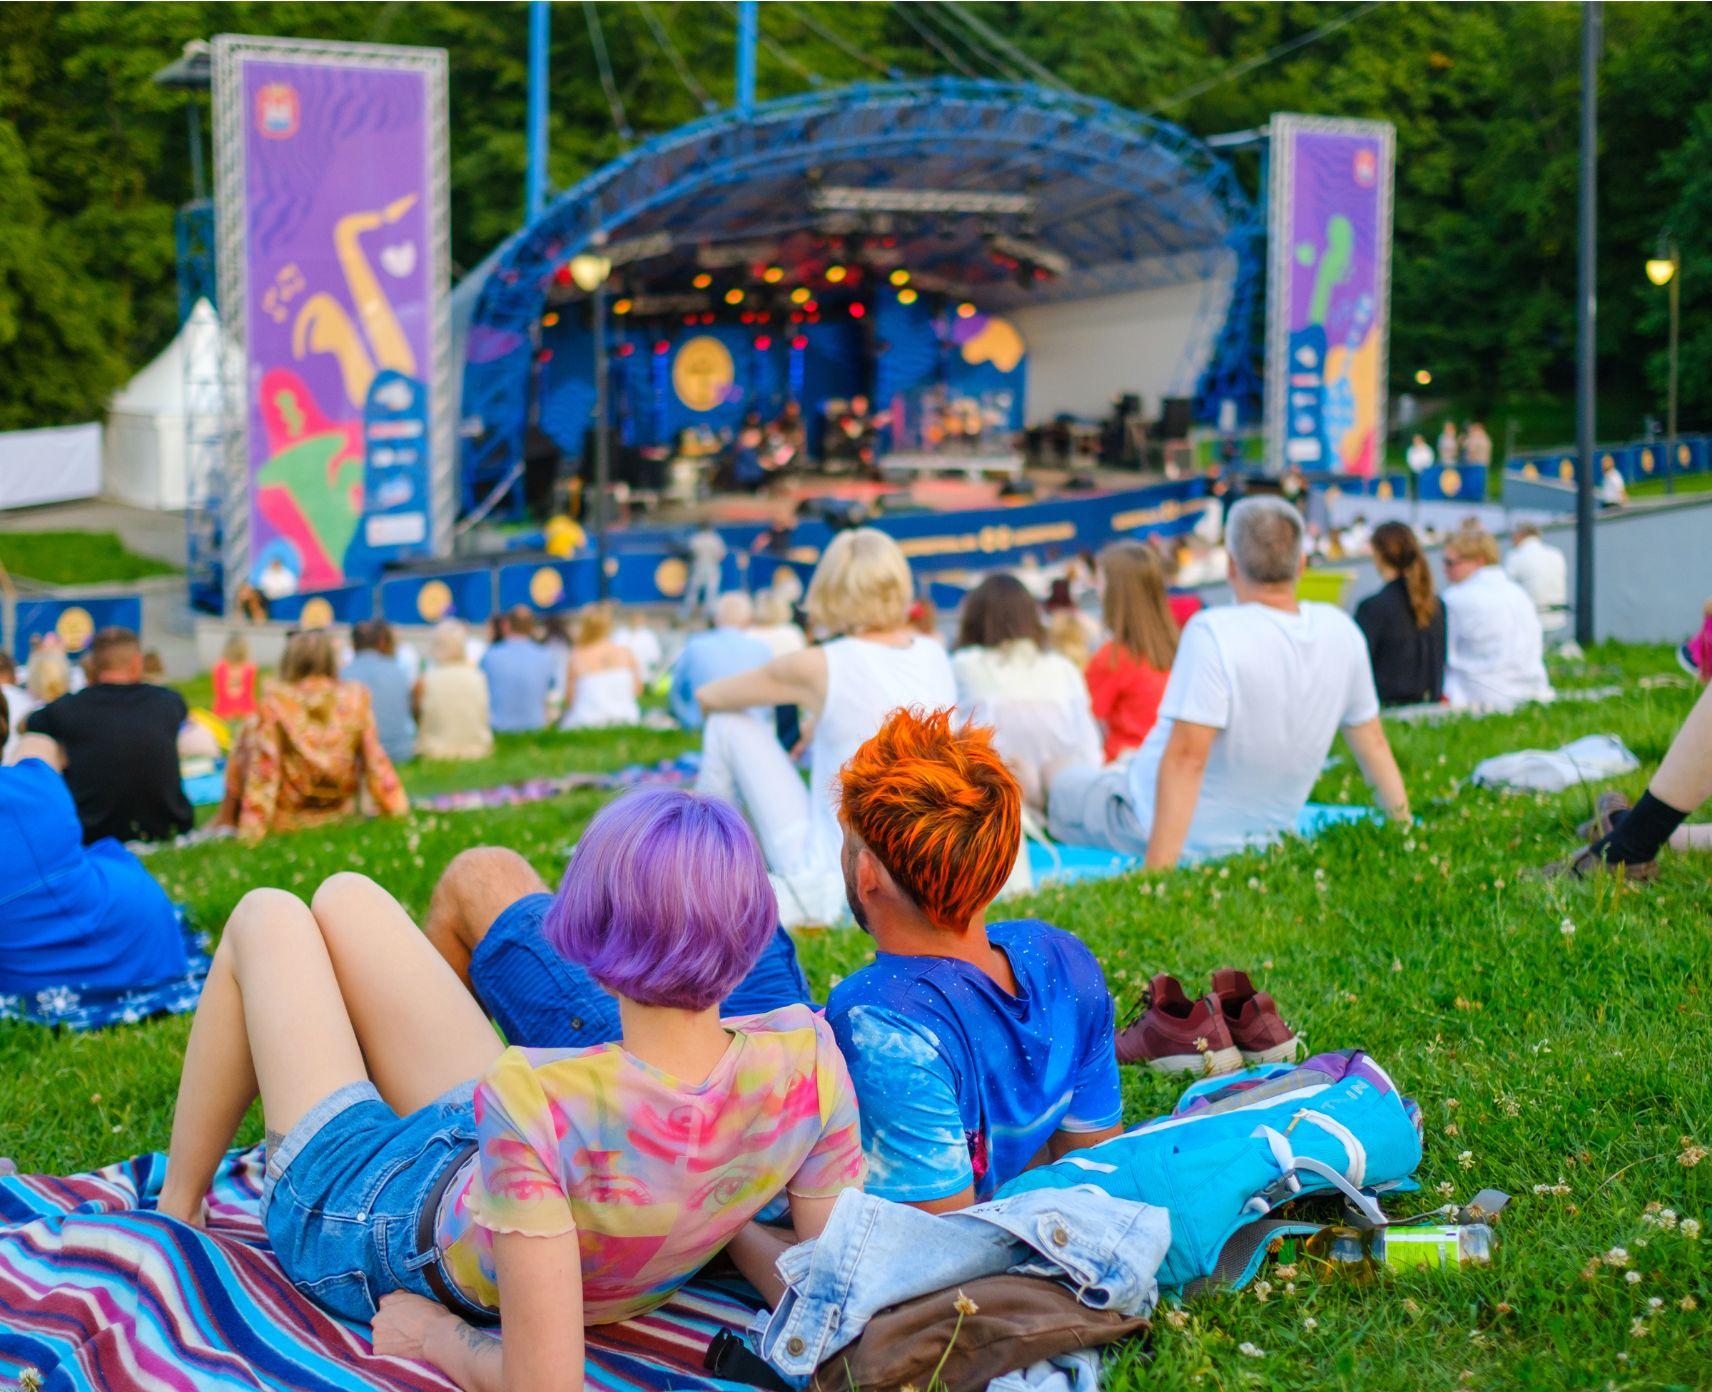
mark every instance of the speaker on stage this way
{"type": "Point", "coordinates": [542, 458]}
{"type": "Point", "coordinates": [1176, 415]}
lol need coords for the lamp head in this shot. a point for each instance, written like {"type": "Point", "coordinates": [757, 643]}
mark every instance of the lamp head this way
{"type": "Point", "coordinates": [590, 271]}
{"type": "Point", "coordinates": [1661, 269]}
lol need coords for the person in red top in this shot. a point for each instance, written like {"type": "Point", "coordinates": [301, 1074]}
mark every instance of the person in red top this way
{"type": "Point", "coordinates": [1126, 677]}
{"type": "Point", "coordinates": [235, 681]}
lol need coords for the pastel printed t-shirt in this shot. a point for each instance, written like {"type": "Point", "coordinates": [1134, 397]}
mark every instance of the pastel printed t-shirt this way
{"type": "Point", "coordinates": [959, 1082]}
{"type": "Point", "coordinates": [655, 1174]}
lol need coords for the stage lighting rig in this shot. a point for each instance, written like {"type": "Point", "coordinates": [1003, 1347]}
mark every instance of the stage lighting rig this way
{"type": "Point", "coordinates": [894, 200]}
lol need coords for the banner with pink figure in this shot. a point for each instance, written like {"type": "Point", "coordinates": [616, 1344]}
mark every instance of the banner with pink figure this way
{"type": "Point", "coordinates": [331, 165]}
{"type": "Point", "coordinates": [1328, 295]}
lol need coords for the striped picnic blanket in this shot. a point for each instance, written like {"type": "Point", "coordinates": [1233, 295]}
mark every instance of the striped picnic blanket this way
{"type": "Point", "coordinates": [99, 1293]}
{"type": "Point", "coordinates": [668, 773]}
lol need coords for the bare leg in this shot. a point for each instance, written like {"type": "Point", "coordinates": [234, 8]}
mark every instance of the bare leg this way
{"type": "Point", "coordinates": [421, 1032]}
{"type": "Point", "coordinates": [272, 1020]}
{"type": "Point", "coordinates": [237, 770]}
{"type": "Point", "coordinates": [1684, 778]}
{"type": "Point", "coordinates": [1697, 837]}
{"type": "Point", "coordinates": [477, 887]}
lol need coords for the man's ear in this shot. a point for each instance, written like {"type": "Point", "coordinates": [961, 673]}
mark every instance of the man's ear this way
{"type": "Point", "coordinates": [872, 878]}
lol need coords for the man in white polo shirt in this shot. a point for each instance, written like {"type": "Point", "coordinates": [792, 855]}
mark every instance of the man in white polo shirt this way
{"type": "Point", "coordinates": [1257, 694]}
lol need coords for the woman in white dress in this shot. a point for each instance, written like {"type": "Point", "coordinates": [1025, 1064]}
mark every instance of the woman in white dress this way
{"type": "Point", "coordinates": [1009, 677]}
{"type": "Point", "coordinates": [872, 664]}
{"type": "Point", "coordinates": [602, 679]}
{"type": "Point", "coordinates": [1495, 648]}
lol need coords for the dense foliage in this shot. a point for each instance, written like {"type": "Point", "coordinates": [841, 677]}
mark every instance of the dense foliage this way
{"type": "Point", "coordinates": [1485, 98]}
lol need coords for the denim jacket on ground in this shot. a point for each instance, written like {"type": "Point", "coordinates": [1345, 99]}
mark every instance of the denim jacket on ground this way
{"type": "Point", "coordinates": [875, 1253]}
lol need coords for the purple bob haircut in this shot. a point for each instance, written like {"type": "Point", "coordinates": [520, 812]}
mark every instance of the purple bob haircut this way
{"type": "Point", "coordinates": [665, 900]}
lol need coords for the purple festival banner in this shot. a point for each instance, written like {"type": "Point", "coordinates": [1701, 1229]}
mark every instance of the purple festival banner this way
{"type": "Point", "coordinates": [333, 185]}
{"type": "Point", "coordinates": [1328, 293]}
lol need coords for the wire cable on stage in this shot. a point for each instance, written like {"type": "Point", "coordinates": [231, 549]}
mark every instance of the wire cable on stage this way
{"type": "Point", "coordinates": [843, 45]}
{"type": "Point", "coordinates": [933, 40]}
{"type": "Point", "coordinates": [1248, 65]}
{"type": "Point", "coordinates": [664, 41]}
{"type": "Point", "coordinates": [614, 102]}
{"type": "Point", "coordinates": [808, 75]}
{"type": "Point", "coordinates": [1006, 71]}
{"type": "Point", "coordinates": [1040, 71]}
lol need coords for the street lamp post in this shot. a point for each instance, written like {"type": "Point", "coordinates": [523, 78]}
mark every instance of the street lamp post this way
{"type": "Point", "coordinates": [590, 271]}
{"type": "Point", "coordinates": [1665, 268]}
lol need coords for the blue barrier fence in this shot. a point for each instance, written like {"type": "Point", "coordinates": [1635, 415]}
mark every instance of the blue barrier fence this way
{"type": "Point", "coordinates": [75, 618]}
{"type": "Point", "coordinates": [1642, 459]}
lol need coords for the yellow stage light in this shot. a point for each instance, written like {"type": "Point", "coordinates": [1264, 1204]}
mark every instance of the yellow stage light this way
{"type": "Point", "coordinates": [965, 310]}
{"type": "Point", "coordinates": [622, 306]}
{"type": "Point", "coordinates": [1423, 378]}
{"type": "Point", "coordinates": [834, 274]}
{"type": "Point", "coordinates": [907, 297]}
{"type": "Point", "coordinates": [900, 277]}
{"type": "Point", "coordinates": [702, 281]}
{"type": "Point", "coordinates": [734, 296]}
{"type": "Point", "coordinates": [549, 319]}
{"type": "Point", "coordinates": [799, 295]}
{"type": "Point", "coordinates": [772, 275]}
{"type": "Point", "coordinates": [1660, 270]}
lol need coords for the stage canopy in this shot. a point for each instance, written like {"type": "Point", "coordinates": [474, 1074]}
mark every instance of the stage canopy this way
{"type": "Point", "coordinates": [1021, 200]}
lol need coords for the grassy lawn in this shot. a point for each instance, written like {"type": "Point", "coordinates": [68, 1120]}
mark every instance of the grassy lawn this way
{"type": "Point", "coordinates": [1556, 1036]}
{"type": "Point", "coordinates": [75, 558]}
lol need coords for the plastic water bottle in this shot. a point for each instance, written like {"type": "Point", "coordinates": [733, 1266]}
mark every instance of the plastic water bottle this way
{"type": "Point", "coordinates": [1347, 1253]}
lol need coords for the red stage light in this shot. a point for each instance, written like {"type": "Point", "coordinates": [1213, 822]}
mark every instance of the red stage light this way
{"type": "Point", "coordinates": [800, 342]}
{"type": "Point", "coordinates": [626, 349]}
{"type": "Point", "coordinates": [662, 348]}
{"type": "Point", "coordinates": [858, 309]}
{"type": "Point", "coordinates": [544, 356]}
{"type": "Point", "coordinates": [562, 274]}
{"type": "Point", "coordinates": [812, 306]}
{"type": "Point", "coordinates": [707, 318]}
{"type": "Point", "coordinates": [763, 343]}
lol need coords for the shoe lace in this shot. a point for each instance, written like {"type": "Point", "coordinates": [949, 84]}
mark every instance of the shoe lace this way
{"type": "Point", "coordinates": [1138, 1007]}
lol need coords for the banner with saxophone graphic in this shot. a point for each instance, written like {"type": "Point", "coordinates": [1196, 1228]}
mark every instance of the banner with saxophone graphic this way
{"type": "Point", "coordinates": [333, 258]}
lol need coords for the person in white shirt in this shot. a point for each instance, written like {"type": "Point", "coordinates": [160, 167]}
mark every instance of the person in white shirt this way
{"type": "Point", "coordinates": [873, 663]}
{"type": "Point", "coordinates": [644, 644]}
{"type": "Point", "coordinates": [276, 581]}
{"type": "Point", "coordinates": [1477, 446]}
{"type": "Point", "coordinates": [707, 563]}
{"type": "Point", "coordinates": [19, 704]}
{"type": "Point", "coordinates": [1613, 492]}
{"type": "Point", "coordinates": [1258, 692]}
{"type": "Point", "coordinates": [1543, 571]}
{"type": "Point", "coordinates": [1009, 677]}
{"type": "Point", "coordinates": [1495, 658]}
{"type": "Point", "coordinates": [1420, 455]}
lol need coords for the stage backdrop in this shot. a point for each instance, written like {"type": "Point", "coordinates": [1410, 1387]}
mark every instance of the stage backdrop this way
{"type": "Point", "coordinates": [333, 257]}
{"type": "Point", "coordinates": [1328, 294]}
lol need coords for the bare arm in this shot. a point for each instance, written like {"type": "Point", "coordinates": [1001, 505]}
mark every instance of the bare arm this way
{"type": "Point", "coordinates": [1181, 768]}
{"type": "Point", "coordinates": [1061, 1143]}
{"type": "Point", "coordinates": [1379, 766]}
{"type": "Point", "coordinates": [756, 1249]}
{"type": "Point", "coordinates": [795, 679]}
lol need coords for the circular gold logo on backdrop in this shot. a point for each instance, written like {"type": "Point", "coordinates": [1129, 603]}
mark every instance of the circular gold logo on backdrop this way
{"type": "Point", "coordinates": [1450, 483]}
{"type": "Point", "coordinates": [75, 628]}
{"type": "Point", "coordinates": [1384, 489]}
{"type": "Point", "coordinates": [433, 600]}
{"type": "Point", "coordinates": [670, 577]}
{"type": "Point", "coordinates": [1684, 455]}
{"type": "Point", "coordinates": [702, 373]}
{"type": "Point", "coordinates": [1646, 461]}
{"type": "Point", "coordinates": [316, 613]}
{"type": "Point", "coordinates": [546, 587]}
{"type": "Point", "coordinates": [1530, 471]}
{"type": "Point", "coordinates": [1566, 470]}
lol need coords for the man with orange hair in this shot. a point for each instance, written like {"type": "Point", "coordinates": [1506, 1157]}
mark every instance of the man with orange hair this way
{"type": "Point", "coordinates": [977, 1049]}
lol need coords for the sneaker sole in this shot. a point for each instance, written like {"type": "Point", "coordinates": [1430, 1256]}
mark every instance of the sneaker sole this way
{"type": "Point", "coordinates": [1278, 1053]}
{"type": "Point", "coordinates": [1203, 1065]}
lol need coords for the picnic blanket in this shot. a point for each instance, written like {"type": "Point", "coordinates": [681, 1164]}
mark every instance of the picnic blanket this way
{"type": "Point", "coordinates": [97, 1291]}
{"type": "Point", "coordinates": [77, 1007]}
{"type": "Point", "coordinates": [668, 773]}
{"type": "Point", "coordinates": [1063, 864]}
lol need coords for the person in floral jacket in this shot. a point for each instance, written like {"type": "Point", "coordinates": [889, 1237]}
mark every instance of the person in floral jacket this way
{"type": "Point", "coordinates": [311, 749]}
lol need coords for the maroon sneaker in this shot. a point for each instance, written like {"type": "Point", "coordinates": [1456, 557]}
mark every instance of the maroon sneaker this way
{"type": "Point", "coordinates": [1256, 1028]}
{"type": "Point", "coordinates": [1177, 1035]}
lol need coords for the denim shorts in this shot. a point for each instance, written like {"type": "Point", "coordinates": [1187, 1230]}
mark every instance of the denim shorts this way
{"type": "Point", "coordinates": [344, 1194]}
{"type": "Point", "coordinates": [541, 1001]}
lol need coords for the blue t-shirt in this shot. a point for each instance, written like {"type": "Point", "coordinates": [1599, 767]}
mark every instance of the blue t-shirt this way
{"type": "Point", "coordinates": [960, 1082]}
{"type": "Point", "coordinates": [720, 652]}
{"type": "Point", "coordinates": [520, 673]}
{"type": "Point", "coordinates": [389, 696]}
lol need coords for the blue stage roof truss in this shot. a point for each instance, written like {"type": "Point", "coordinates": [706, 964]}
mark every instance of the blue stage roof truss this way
{"type": "Point", "coordinates": [1128, 200]}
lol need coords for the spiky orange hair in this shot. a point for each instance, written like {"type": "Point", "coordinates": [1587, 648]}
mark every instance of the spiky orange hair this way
{"type": "Point", "coordinates": [939, 808]}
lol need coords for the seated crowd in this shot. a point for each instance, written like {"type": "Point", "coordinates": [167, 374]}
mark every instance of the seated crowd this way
{"type": "Point", "coordinates": [431, 1177]}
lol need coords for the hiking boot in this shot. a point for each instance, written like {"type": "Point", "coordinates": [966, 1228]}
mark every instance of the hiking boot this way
{"type": "Point", "coordinates": [1256, 1028]}
{"type": "Point", "coordinates": [1585, 864]}
{"type": "Point", "coordinates": [1608, 809]}
{"type": "Point", "coordinates": [1177, 1035]}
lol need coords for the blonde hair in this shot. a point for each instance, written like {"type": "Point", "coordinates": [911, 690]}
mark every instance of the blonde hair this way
{"type": "Point", "coordinates": [1134, 605]}
{"type": "Point", "coordinates": [236, 650]}
{"type": "Point", "coordinates": [1067, 634]}
{"type": "Point", "coordinates": [862, 582]}
{"type": "Point", "coordinates": [594, 625]}
{"type": "Point", "coordinates": [50, 676]}
{"type": "Point", "coordinates": [1472, 543]}
{"type": "Point", "coordinates": [448, 647]}
{"type": "Point", "coordinates": [309, 653]}
{"type": "Point", "coordinates": [771, 607]}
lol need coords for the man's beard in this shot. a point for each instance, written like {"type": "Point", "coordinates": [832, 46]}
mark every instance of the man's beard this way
{"type": "Point", "coordinates": [846, 863]}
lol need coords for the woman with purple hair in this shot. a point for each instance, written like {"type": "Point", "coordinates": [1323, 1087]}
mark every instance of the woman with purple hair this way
{"type": "Point", "coordinates": [423, 1176]}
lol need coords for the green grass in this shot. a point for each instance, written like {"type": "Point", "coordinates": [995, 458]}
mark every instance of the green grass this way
{"type": "Point", "coordinates": [1688, 483]}
{"type": "Point", "coordinates": [75, 558]}
{"type": "Point", "coordinates": [1577, 1057]}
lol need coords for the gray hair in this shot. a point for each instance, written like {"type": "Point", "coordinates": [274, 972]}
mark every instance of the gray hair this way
{"type": "Point", "coordinates": [733, 609]}
{"type": "Point", "coordinates": [1264, 538]}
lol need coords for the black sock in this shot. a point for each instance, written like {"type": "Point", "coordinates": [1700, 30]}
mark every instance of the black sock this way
{"type": "Point", "coordinates": [1644, 829]}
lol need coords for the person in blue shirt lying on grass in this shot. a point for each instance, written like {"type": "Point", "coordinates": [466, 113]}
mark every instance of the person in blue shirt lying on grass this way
{"type": "Point", "coordinates": [977, 1049]}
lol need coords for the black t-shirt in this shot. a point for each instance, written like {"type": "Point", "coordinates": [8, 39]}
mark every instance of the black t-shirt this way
{"type": "Point", "coordinates": [1408, 661]}
{"type": "Point", "coordinates": [121, 759]}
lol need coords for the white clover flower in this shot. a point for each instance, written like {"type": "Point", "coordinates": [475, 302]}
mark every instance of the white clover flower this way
{"type": "Point", "coordinates": [1690, 1228]}
{"type": "Point", "coordinates": [1632, 1277]}
{"type": "Point", "coordinates": [1248, 1350]}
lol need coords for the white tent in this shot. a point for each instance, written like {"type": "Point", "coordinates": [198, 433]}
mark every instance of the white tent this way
{"type": "Point", "coordinates": [144, 449]}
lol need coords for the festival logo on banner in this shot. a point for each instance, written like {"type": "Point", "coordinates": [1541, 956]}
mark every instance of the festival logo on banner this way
{"type": "Point", "coordinates": [342, 284]}
{"type": "Point", "coordinates": [1328, 294]}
